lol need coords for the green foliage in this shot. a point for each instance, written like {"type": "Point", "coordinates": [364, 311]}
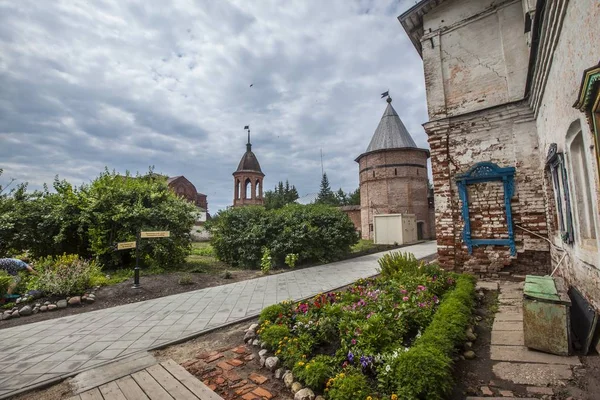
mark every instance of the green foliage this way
{"type": "Point", "coordinates": [363, 245]}
{"type": "Point", "coordinates": [425, 371]}
{"type": "Point", "coordinates": [354, 198]}
{"type": "Point", "coordinates": [273, 334]}
{"type": "Point", "coordinates": [291, 260]}
{"type": "Point", "coordinates": [202, 249]}
{"type": "Point", "coordinates": [280, 196]}
{"type": "Point", "coordinates": [326, 195]}
{"type": "Point", "coordinates": [266, 261]}
{"type": "Point", "coordinates": [315, 373]}
{"type": "Point", "coordinates": [88, 220]}
{"type": "Point", "coordinates": [272, 313]}
{"type": "Point", "coordinates": [313, 232]}
{"type": "Point", "coordinates": [186, 279]}
{"type": "Point", "coordinates": [347, 385]}
{"type": "Point", "coordinates": [5, 282]}
{"type": "Point", "coordinates": [63, 275]}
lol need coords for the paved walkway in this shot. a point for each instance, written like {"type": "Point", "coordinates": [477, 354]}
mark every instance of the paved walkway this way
{"type": "Point", "coordinates": [512, 361]}
{"type": "Point", "coordinates": [45, 351]}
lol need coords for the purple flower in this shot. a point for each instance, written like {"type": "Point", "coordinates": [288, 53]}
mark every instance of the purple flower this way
{"type": "Point", "coordinates": [351, 357]}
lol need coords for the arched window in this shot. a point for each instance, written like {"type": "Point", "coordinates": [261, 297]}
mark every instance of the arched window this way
{"type": "Point", "coordinates": [248, 189]}
{"type": "Point", "coordinates": [579, 163]}
{"type": "Point", "coordinates": [258, 189]}
{"type": "Point", "coordinates": [238, 189]}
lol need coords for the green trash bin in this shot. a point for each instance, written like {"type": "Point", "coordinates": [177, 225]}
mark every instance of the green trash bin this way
{"type": "Point", "coordinates": [546, 324]}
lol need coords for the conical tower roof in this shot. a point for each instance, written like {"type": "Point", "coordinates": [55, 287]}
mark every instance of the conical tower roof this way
{"type": "Point", "coordinates": [249, 162]}
{"type": "Point", "coordinates": [391, 132]}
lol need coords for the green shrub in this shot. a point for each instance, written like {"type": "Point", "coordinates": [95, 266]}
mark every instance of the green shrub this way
{"type": "Point", "coordinates": [425, 370]}
{"type": "Point", "coordinates": [273, 334]}
{"type": "Point", "coordinates": [64, 275]}
{"type": "Point", "coordinates": [271, 313]}
{"type": "Point", "coordinates": [312, 232]}
{"type": "Point", "coordinates": [348, 385]}
{"type": "Point", "coordinates": [266, 261]}
{"type": "Point", "coordinates": [5, 282]}
{"type": "Point", "coordinates": [291, 260]}
{"type": "Point", "coordinates": [315, 373]}
{"type": "Point", "coordinates": [186, 279]}
{"type": "Point", "coordinates": [90, 219]}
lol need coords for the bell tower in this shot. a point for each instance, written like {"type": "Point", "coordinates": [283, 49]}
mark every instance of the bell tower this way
{"type": "Point", "coordinates": [248, 179]}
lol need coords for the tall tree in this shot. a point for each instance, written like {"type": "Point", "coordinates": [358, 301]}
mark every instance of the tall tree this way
{"type": "Point", "coordinates": [354, 198]}
{"type": "Point", "coordinates": [326, 195]}
{"type": "Point", "coordinates": [280, 196]}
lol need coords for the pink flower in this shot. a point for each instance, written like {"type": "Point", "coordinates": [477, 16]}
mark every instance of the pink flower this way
{"type": "Point", "coordinates": [353, 341]}
{"type": "Point", "coordinates": [405, 298]}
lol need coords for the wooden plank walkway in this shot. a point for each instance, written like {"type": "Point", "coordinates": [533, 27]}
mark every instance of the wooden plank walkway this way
{"type": "Point", "coordinates": [165, 381]}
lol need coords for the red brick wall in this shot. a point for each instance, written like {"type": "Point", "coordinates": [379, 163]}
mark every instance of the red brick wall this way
{"type": "Point", "coordinates": [505, 135]}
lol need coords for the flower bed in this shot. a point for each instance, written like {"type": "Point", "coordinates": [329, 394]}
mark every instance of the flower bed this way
{"type": "Point", "coordinates": [386, 338]}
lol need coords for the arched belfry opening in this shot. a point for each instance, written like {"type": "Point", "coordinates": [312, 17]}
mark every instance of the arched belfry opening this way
{"type": "Point", "coordinates": [248, 179]}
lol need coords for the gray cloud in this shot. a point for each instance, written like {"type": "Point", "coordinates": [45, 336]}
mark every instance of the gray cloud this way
{"type": "Point", "coordinates": [84, 85]}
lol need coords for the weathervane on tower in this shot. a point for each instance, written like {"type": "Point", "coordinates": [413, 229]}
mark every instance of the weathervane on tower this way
{"type": "Point", "coordinates": [248, 145]}
{"type": "Point", "coordinates": [386, 94]}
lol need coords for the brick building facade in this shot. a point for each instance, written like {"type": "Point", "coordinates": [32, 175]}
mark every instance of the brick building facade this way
{"type": "Point", "coordinates": [393, 176]}
{"type": "Point", "coordinates": [502, 78]}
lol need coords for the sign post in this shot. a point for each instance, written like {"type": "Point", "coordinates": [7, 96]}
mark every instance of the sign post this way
{"type": "Point", "coordinates": [136, 271]}
{"type": "Point", "coordinates": [136, 245]}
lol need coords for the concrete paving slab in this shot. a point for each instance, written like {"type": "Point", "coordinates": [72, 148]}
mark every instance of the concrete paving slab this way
{"type": "Point", "coordinates": [532, 374]}
{"type": "Point", "coordinates": [508, 338]}
{"type": "Point", "coordinates": [507, 326]}
{"type": "Point", "coordinates": [485, 285]}
{"type": "Point", "coordinates": [506, 316]}
{"type": "Point", "coordinates": [523, 354]}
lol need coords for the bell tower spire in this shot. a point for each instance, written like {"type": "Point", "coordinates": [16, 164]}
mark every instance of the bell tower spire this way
{"type": "Point", "coordinates": [248, 178]}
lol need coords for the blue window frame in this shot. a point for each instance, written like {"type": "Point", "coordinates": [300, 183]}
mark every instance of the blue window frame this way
{"type": "Point", "coordinates": [487, 172]}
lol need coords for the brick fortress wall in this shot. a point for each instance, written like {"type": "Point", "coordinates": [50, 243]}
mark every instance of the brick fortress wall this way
{"type": "Point", "coordinates": [393, 181]}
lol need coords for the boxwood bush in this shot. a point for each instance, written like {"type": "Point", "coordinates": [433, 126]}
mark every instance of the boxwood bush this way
{"type": "Point", "coordinates": [316, 233]}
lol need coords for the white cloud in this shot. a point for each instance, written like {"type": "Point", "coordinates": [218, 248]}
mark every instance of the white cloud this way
{"type": "Point", "coordinates": [129, 84]}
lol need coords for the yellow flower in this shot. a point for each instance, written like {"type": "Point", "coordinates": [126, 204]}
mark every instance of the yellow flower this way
{"type": "Point", "coordinates": [369, 398]}
{"type": "Point", "coordinates": [394, 396]}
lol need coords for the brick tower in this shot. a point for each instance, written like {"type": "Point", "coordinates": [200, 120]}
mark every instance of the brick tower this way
{"type": "Point", "coordinates": [248, 179]}
{"type": "Point", "coordinates": [393, 175]}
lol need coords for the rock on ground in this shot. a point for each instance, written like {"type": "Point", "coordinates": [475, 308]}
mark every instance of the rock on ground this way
{"type": "Point", "coordinates": [296, 386]}
{"type": "Point", "coordinates": [304, 394]}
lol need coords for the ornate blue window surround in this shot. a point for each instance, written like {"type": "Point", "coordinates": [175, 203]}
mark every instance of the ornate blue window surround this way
{"type": "Point", "coordinates": [487, 172]}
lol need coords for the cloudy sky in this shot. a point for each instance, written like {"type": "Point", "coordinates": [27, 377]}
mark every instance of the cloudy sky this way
{"type": "Point", "coordinates": [128, 84]}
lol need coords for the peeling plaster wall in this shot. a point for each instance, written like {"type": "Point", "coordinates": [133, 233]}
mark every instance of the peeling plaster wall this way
{"type": "Point", "coordinates": [475, 56]}
{"type": "Point", "coordinates": [577, 48]}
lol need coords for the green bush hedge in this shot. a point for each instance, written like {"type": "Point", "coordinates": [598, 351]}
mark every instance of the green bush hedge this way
{"type": "Point", "coordinates": [64, 275]}
{"type": "Point", "coordinates": [89, 220]}
{"type": "Point", "coordinates": [313, 232]}
{"type": "Point", "coordinates": [425, 370]}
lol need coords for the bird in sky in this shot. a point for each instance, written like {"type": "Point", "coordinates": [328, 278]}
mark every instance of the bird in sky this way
{"type": "Point", "coordinates": [252, 84]}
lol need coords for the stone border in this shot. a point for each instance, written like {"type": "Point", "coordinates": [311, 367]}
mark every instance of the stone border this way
{"type": "Point", "coordinates": [27, 309]}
